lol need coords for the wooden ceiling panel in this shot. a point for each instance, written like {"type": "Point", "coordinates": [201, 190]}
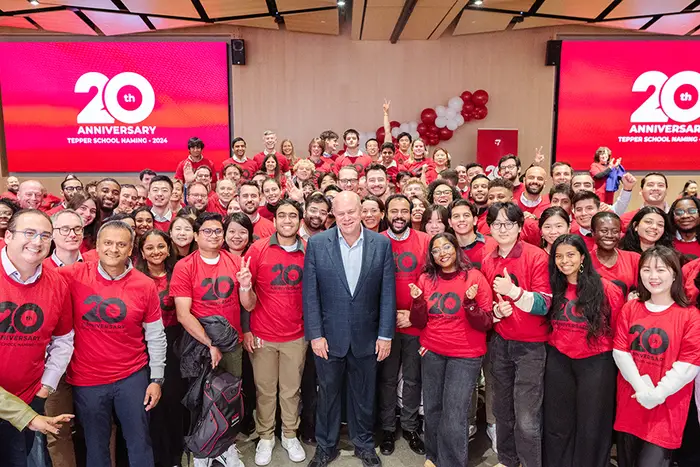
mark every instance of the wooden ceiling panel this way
{"type": "Point", "coordinates": [114, 24]}
{"type": "Point", "coordinates": [678, 25]}
{"type": "Point", "coordinates": [424, 19]}
{"type": "Point", "coordinates": [473, 22]}
{"type": "Point", "coordinates": [15, 22]}
{"type": "Point", "coordinates": [385, 3]}
{"type": "Point", "coordinates": [647, 7]}
{"type": "Point", "coordinates": [317, 22]}
{"type": "Point", "coordinates": [448, 19]}
{"type": "Point", "coordinates": [379, 22]}
{"type": "Point", "coordinates": [586, 9]}
{"type": "Point", "coordinates": [294, 5]}
{"type": "Point", "coordinates": [510, 5]}
{"type": "Point", "coordinates": [536, 22]}
{"type": "Point", "coordinates": [62, 21]}
{"type": "Point", "coordinates": [358, 13]}
{"type": "Point", "coordinates": [266, 22]}
{"type": "Point", "coordinates": [17, 5]}
{"type": "Point", "coordinates": [226, 8]}
{"type": "Point", "coordinates": [165, 23]}
{"type": "Point", "coordinates": [631, 24]}
{"type": "Point", "coordinates": [105, 4]}
{"type": "Point", "coordinates": [183, 8]}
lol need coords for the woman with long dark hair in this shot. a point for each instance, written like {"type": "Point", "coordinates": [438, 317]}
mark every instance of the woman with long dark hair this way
{"type": "Point", "coordinates": [579, 379]}
{"type": "Point", "coordinates": [613, 264]}
{"type": "Point", "coordinates": [649, 227]}
{"type": "Point", "coordinates": [168, 419]}
{"type": "Point", "coordinates": [89, 208]}
{"type": "Point", "coordinates": [452, 302]}
{"type": "Point", "coordinates": [553, 223]}
{"type": "Point", "coordinates": [657, 350]}
{"type": "Point", "coordinates": [143, 218]}
{"type": "Point", "coordinates": [181, 233]}
{"type": "Point", "coordinates": [238, 233]}
{"type": "Point", "coordinates": [272, 193]}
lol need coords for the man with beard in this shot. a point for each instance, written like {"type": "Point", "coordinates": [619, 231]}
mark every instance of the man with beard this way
{"type": "Point", "coordinates": [198, 196]}
{"type": "Point", "coordinates": [315, 215]}
{"type": "Point", "coordinates": [108, 190]}
{"type": "Point", "coordinates": [509, 169]}
{"type": "Point", "coordinates": [70, 186]}
{"type": "Point", "coordinates": [30, 194]}
{"type": "Point", "coordinates": [410, 249]}
{"type": "Point", "coordinates": [159, 192]}
{"type": "Point", "coordinates": [654, 185]}
{"type": "Point", "coordinates": [531, 198]}
{"type": "Point", "coordinates": [561, 172]}
{"type": "Point", "coordinates": [479, 194]}
{"type": "Point", "coordinates": [378, 181]}
{"type": "Point", "coordinates": [584, 181]}
{"type": "Point", "coordinates": [249, 199]}
{"type": "Point", "coordinates": [12, 188]}
{"type": "Point", "coordinates": [225, 191]}
{"type": "Point", "coordinates": [248, 166]}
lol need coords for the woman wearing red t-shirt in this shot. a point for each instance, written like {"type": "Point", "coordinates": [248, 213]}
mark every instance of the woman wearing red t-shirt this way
{"type": "Point", "coordinates": [579, 379]}
{"type": "Point", "coordinates": [618, 266]}
{"type": "Point", "coordinates": [455, 300]}
{"type": "Point", "coordinates": [649, 227]}
{"type": "Point", "coordinates": [157, 261]}
{"type": "Point", "coordinates": [657, 350]}
{"type": "Point", "coordinates": [181, 232]}
{"type": "Point", "coordinates": [600, 169]}
{"type": "Point", "coordinates": [417, 162]}
{"type": "Point", "coordinates": [553, 223]}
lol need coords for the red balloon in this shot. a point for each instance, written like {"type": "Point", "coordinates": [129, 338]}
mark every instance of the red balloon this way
{"type": "Point", "coordinates": [480, 113]}
{"type": "Point", "coordinates": [428, 116]}
{"type": "Point", "coordinates": [468, 116]}
{"type": "Point", "coordinates": [422, 129]}
{"type": "Point", "coordinates": [480, 97]}
{"type": "Point", "coordinates": [433, 130]}
{"type": "Point", "coordinates": [381, 133]}
{"type": "Point", "coordinates": [466, 96]}
{"type": "Point", "coordinates": [433, 141]}
{"type": "Point", "coordinates": [468, 107]}
{"type": "Point", "coordinates": [445, 134]}
{"type": "Point", "coordinates": [394, 124]}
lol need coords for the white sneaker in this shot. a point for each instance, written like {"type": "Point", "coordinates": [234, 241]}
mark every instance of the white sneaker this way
{"type": "Point", "coordinates": [294, 449]}
{"type": "Point", "coordinates": [263, 453]}
{"type": "Point", "coordinates": [202, 462]}
{"type": "Point", "coordinates": [230, 458]}
{"type": "Point", "coordinates": [491, 433]}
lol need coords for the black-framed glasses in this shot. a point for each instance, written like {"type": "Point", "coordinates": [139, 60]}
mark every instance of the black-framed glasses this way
{"type": "Point", "coordinates": [681, 212]}
{"type": "Point", "coordinates": [212, 232]}
{"type": "Point", "coordinates": [65, 230]}
{"type": "Point", "coordinates": [503, 225]}
{"type": "Point", "coordinates": [30, 234]}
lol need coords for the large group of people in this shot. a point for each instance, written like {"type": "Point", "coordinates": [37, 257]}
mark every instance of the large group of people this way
{"type": "Point", "coordinates": [373, 287]}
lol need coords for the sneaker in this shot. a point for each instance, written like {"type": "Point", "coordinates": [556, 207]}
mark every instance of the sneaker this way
{"type": "Point", "coordinates": [472, 431]}
{"type": "Point", "coordinates": [263, 453]}
{"type": "Point", "coordinates": [294, 449]}
{"type": "Point", "coordinates": [230, 458]}
{"type": "Point", "coordinates": [491, 433]}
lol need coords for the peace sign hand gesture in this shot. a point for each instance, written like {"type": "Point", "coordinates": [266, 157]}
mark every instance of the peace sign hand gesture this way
{"type": "Point", "coordinates": [244, 276]}
{"type": "Point", "coordinates": [539, 157]}
{"type": "Point", "coordinates": [386, 106]}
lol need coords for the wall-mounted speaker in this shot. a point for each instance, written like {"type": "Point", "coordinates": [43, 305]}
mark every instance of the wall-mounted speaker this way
{"type": "Point", "coordinates": [238, 51]}
{"type": "Point", "coordinates": [553, 55]}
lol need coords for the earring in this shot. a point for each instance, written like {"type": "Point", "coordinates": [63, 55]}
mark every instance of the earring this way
{"type": "Point", "coordinates": [580, 269]}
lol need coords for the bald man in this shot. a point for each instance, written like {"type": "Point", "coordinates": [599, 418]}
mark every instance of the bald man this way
{"type": "Point", "coordinates": [31, 194]}
{"type": "Point", "coordinates": [349, 295]}
{"type": "Point", "coordinates": [12, 186]}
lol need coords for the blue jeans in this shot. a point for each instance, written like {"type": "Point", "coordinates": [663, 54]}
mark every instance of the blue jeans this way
{"type": "Point", "coordinates": [94, 406]}
{"type": "Point", "coordinates": [39, 455]}
{"type": "Point", "coordinates": [15, 446]}
{"type": "Point", "coordinates": [448, 383]}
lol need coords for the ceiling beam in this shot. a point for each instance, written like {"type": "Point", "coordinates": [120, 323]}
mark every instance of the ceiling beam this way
{"type": "Point", "coordinates": [87, 21]}
{"type": "Point", "coordinates": [359, 8]}
{"type": "Point", "coordinates": [448, 19]}
{"type": "Point", "coordinates": [406, 12]}
{"type": "Point", "coordinates": [608, 10]}
{"type": "Point", "coordinates": [200, 10]}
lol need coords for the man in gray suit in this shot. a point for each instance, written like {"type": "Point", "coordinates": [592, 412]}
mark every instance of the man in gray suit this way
{"type": "Point", "coordinates": [349, 317]}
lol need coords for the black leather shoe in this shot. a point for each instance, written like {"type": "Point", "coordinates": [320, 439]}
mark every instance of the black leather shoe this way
{"type": "Point", "coordinates": [308, 435]}
{"type": "Point", "coordinates": [370, 458]}
{"type": "Point", "coordinates": [386, 445]}
{"type": "Point", "coordinates": [414, 442]}
{"type": "Point", "coordinates": [321, 459]}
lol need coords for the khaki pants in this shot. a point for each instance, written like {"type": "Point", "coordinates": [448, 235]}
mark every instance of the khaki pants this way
{"type": "Point", "coordinates": [278, 364]}
{"type": "Point", "coordinates": [60, 446]}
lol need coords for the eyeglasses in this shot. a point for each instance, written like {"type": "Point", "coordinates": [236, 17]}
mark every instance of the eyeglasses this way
{"type": "Point", "coordinates": [32, 234]}
{"type": "Point", "coordinates": [192, 195]}
{"type": "Point", "coordinates": [65, 230]}
{"type": "Point", "coordinates": [348, 181]}
{"type": "Point", "coordinates": [71, 189]}
{"type": "Point", "coordinates": [503, 225]}
{"type": "Point", "coordinates": [681, 212]}
{"type": "Point", "coordinates": [445, 249]}
{"type": "Point", "coordinates": [212, 232]}
{"type": "Point", "coordinates": [442, 193]}
{"type": "Point", "coordinates": [509, 167]}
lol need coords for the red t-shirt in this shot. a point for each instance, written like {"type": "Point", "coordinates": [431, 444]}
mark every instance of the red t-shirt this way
{"type": "Point", "coordinates": [528, 267]}
{"type": "Point", "coordinates": [626, 218]}
{"type": "Point", "coordinates": [416, 167]}
{"type": "Point", "coordinates": [109, 318]}
{"type": "Point", "coordinates": [656, 341]}
{"type": "Point", "coordinates": [9, 195]}
{"type": "Point", "coordinates": [179, 171]}
{"type": "Point", "coordinates": [29, 316]}
{"type": "Point", "coordinates": [277, 278]}
{"type": "Point", "coordinates": [213, 288]}
{"type": "Point", "coordinates": [266, 213]}
{"type": "Point", "coordinates": [324, 164]}
{"type": "Point", "coordinates": [448, 331]}
{"type": "Point", "coordinates": [541, 206]}
{"type": "Point", "coordinates": [214, 205]}
{"type": "Point", "coordinates": [393, 171]}
{"type": "Point", "coordinates": [607, 197]}
{"type": "Point", "coordinates": [167, 302]}
{"type": "Point", "coordinates": [530, 232]}
{"type": "Point", "coordinates": [58, 208]}
{"type": "Point", "coordinates": [690, 250]}
{"type": "Point", "coordinates": [360, 163]}
{"type": "Point", "coordinates": [263, 228]}
{"type": "Point", "coordinates": [281, 160]}
{"type": "Point", "coordinates": [623, 273]}
{"type": "Point", "coordinates": [248, 167]}
{"type": "Point", "coordinates": [477, 250]}
{"type": "Point", "coordinates": [410, 256]}
{"type": "Point", "coordinates": [570, 329]}
{"type": "Point", "coordinates": [481, 226]}
{"type": "Point", "coordinates": [400, 157]}
{"type": "Point", "coordinates": [690, 272]}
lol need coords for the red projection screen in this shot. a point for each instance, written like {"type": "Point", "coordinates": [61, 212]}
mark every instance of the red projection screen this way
{"type": "Point", "coordinates": [638, 97]}
{"type": "Point", "coordinates": [112, 106]}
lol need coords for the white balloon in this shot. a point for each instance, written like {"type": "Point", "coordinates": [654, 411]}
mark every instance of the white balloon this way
{"type": "Point", "coordinates": [452, 125]}
{"type": "Point", "coordinates": [451, 113]}
{"type": "Point", "coordinates": [440, 110]}
{"type": "Point", "coordinates": [395, 132]}
{"type": "Point", "coordinates": [440, 122]}
{"type": "Point", "coordinates": [455, 103]}
{"type": "Point", "coordinates": [415, 134]}
{"type": "Point", "coordinates": [405, 128]}
{"type": "Point", "coordinates": [460, 120]}
{"type": "Point", "coordinates": [413, 127]}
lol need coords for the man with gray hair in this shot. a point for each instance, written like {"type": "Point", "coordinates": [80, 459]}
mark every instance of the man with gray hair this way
{"type": "Point", "coordinates": [119, 362]}
{"type": "Point", "coordinates": [30, 194]}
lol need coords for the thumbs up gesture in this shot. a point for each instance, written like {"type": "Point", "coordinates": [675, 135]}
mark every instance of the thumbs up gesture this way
{"type": "Point", "coordinates": [415, 291]}
{"type": "Point", "coordinates": [503, 285]}
{"type": "Point", "coordinates": [502, 309]}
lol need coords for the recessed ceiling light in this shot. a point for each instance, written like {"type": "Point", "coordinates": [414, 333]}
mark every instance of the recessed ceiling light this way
{"type": "Point", "coordinates": [478, 2]}
{"type": "Point", "coordinates": [33, 2]}
{"type": "Point", "coordinates": [341, 2]}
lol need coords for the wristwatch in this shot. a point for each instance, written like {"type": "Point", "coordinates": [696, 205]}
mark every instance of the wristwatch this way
{"type": "Point", "coordinates": [48, 388]}
{"type": "Point", "coordinates": [158, 381]}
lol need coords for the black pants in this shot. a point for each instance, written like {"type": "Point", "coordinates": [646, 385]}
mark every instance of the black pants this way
{"type": "Point", "coordinates": [16, 445]}
{"type": "Point", "coordinates": [309, 392]}
{"type": "Point", "coordinates": [688, 455]}
{"type": "Point", "coordinates": [360, 385]}
{"type": "Point", "coordinates": [635, 452]}
{"type": "Point", "coordinates": [248, 386]}
{"type": "Point", "coordinates": [579, 408]}
{"type": "Point", "coordinates": [518, 387]}
{"type": "Point", "coordinates": [404, 355]}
